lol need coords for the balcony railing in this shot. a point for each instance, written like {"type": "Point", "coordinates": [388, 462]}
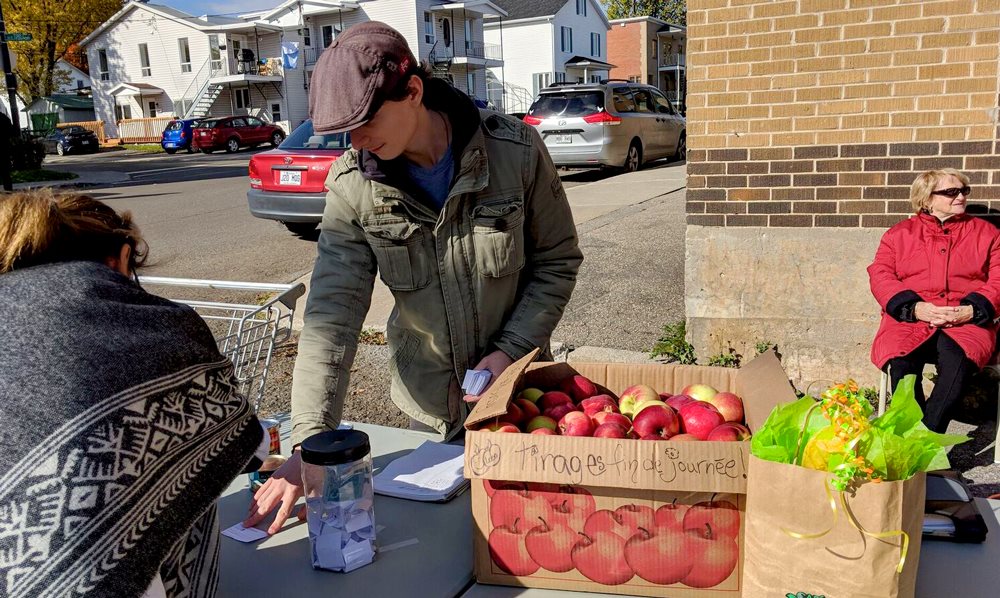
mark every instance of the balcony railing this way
{"type": "Point", "coordinates": [483, 51]}
{"type": "Point", "coordinates": [673, 60]}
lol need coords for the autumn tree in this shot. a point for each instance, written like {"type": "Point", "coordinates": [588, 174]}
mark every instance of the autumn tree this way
{"type": "Point", "coordinates": [55, 25]}
{"type": "Point", "coordinates": [671, 11]}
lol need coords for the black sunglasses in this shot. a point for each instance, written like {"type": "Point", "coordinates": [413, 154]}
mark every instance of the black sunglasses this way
{"type": "Point", "coordinates": [954, 191]}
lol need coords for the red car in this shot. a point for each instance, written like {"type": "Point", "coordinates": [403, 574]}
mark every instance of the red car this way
{"type": "Point", "coordinates": [286, 184]}
{"type": "Point", "coordinates": [233, 132]}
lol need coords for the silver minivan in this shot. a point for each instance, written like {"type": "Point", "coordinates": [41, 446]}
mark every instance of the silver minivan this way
{"type": "Point", "coordinates": [612, 123]}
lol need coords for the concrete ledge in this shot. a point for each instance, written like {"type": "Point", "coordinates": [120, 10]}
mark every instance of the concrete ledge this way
{"type": "Point", "coordinates": [588, 354]}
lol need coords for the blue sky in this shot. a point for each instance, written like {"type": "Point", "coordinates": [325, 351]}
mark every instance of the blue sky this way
{"type": "Point", "coordinates": [217, 7]}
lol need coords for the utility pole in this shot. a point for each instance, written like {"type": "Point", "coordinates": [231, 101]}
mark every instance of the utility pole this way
{"type": "Point", "coordinates": [9, 76]}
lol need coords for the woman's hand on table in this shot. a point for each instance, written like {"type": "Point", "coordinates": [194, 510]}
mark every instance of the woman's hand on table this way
{"type": "Point", "coordinates": [284, 487]}
{"type": "Point", "coordinates": [496, 362]}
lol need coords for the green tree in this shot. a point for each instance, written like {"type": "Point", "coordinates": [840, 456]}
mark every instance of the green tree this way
{"type": "Point", "coordinates": [54, 25]}
{"type": "Point", "coordinates": [671, 11]}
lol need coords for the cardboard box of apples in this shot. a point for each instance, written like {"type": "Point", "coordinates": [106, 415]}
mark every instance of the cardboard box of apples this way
{"type": "Point", "coordinates": [632, 492]}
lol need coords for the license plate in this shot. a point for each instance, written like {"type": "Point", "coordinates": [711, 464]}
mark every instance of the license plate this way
{"type": "Point", "coordinates": [168, 144]}
{"type": "Point", "coordinates": [290, 177]}
{"type": "Point", "coordinates": [564, 139]}
{"type": "Point", "coordinates": [85, 142]}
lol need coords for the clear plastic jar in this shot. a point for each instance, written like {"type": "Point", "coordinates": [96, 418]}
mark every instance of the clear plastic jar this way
{"type": "Point", "coordinates": [340, 499]}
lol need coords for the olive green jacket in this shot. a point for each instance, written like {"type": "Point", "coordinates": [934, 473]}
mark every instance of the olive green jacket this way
{"type": "Point", "coordinates": [493, 269]}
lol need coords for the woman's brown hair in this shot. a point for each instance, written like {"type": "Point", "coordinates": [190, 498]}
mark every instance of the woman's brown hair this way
{"type": "Point", "coordinates": [40, 227]}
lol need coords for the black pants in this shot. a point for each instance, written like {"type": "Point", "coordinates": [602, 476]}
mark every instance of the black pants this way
{"type": "Point", "coordinates": [953, 368]}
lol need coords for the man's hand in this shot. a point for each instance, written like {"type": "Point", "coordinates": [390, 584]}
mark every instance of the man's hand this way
{"type": "Point", "coordinates": [496, 362]}
{"type": "Point", "coordinates": [284, 487]}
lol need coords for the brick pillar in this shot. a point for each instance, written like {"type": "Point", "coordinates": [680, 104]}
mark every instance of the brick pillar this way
{"type": "Point", "coordinates": [807, 122]}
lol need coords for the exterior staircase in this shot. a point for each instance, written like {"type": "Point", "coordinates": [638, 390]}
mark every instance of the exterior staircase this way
{"type": "Point", "coordinates": [440, 59]}
{"type": "Point", "coordinates": [203, 102]}
{"type": "Point", "coordinates": [509, 98]}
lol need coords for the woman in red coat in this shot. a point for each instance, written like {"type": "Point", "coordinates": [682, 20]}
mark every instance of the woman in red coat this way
{"type": "Point", "coordinates": [937, 277]}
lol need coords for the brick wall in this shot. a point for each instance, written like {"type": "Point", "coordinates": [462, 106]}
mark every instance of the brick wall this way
{"type": "Point", "coordinates": [819, 113]}
{"type": "Point", "coordinates": [625, 50]}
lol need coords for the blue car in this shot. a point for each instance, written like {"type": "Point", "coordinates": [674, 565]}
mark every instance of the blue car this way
{"type": "Point", "coordinates": [177, 135]}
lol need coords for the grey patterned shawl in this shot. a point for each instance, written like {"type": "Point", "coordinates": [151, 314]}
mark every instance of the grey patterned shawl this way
{"type": "Point", "coordinates": [119, 428]}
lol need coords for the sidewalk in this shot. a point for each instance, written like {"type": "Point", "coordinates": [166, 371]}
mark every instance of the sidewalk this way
{"type": "Point", "coordinates": [86, 179]}
{"type": "Point", "coordinates": [589, 202]}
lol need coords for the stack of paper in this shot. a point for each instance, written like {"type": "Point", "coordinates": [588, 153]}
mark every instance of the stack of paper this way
{"type": "Point", "coordinates": [476, 381]}
{"type": "Point", "coordinates": [431, 472]}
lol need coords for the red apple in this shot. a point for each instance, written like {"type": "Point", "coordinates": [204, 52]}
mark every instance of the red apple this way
{"type": "Point", "coordinates": [528, 409]}
{"type": "Point", "coordinates": [658, 555]}
{"type": "Point", "coordinates": [560, 410]}
{"type": "Point", "coordinates": [700, 418]}
{"type": "Point", "coordinates": [729, 405]}
{"type": "Point", "coordinates": [510, 505]}
{"type": "Point", "coordinates": [632, 434]}
{"type": "Point", "coordinates": [514, 415]}
{"type": "Point", "coordinates": [551, 399]}
{"type": "Point", "coordinates": [508, 550]}
{"type": "Point", "coordinates": [633, 395]}
{"type": "Point", "coordinates": [699, 392]}
{"type": "Point", "coordinates": [729, 432]}
{"type": "Point", "coordinates": [665, 395]}
{"type": "Point", "coordinates": [720, 517]}
{"type": "Point", "coordinates": [610, 430]}
{"type": "Point", "coordinates": [578, 387]}
{"type": "Point", "coordinates": [683, 438]}
{"type": "Point", "coordinates": [678, 401]}
{"type": "Point", "coordinates": [607, 521]}
{"type": "Point", "coordinates": [643, 405]}
{"type": "Point", "coordinates": [609, 417]}
{"type": "Point", "coordinates": [659, 420]}
{"type": "Point", "coordinates": [572, 506]}
{"type": "Point", "coordinates": [593, 405]}
{"type": "Point", "coordinates": [531, 394]}
{"type": "Point", "coordinates": [600, 557]}
{"type": "Point", "coordinates": [576, 423]}
{"type": "Point", "coordinates": [671, 515]}
{"type": "Point", "coordinates": [635, 516]}
{"type": "Point", "coordinates": [544, 432]}
{"type": "Point", "coordinates": [713, 557]}
{"type": "Point", "coordinates": [551, 546]}
{"type": "Point", "coordinates": [501, 427]}
{"type": "Point", "coordinates": [541, 422]}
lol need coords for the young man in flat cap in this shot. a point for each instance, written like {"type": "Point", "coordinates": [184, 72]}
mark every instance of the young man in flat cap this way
{"type": "Point", "coordinates": [462, 214]}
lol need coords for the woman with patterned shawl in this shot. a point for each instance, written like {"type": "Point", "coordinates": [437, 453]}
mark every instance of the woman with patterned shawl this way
{"type": "Point", "coordinates": [119, 421]}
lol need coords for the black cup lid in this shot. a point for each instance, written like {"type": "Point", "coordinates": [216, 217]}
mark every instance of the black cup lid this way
{"type": "Point", "coordinates": [335, 447]}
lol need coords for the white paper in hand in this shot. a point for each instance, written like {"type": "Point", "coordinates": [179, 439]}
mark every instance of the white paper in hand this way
{"type": "Point", "coordinates": [244, 534]}
{"type": "Point", "coordinates": [476, 381]}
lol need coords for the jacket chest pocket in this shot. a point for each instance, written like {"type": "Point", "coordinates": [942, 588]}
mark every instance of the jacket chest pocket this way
{"type": "Point", "coordinates": [498, 235]}
{"type": "Point", "coordinates": [405, 263]}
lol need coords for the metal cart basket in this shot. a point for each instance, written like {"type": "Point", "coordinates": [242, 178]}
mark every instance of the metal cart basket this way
{"type": "Point", "coordinates": [247, 333]}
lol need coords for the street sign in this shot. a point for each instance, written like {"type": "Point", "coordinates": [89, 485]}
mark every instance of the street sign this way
{"type": "Point", "coordinates": [13, 36]}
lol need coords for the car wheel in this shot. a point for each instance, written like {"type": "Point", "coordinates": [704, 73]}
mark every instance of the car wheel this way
{"type": "Point", "coordinates": [170, 150]}
{"type": "Point", "coordinates": [682, 149]}
{"type": "Point", "coordinates": [276, 139]}
{"type": "Point", "coordinates": [60, 149]}
{"type": "Point", "coordinates": [633, 159]}
{"type": "Point", "coordinates": [301, 229]}
{"type": "Point", "coordinates": [233, 145]}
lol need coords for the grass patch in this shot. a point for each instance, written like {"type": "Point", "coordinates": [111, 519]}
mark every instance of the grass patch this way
{"type": "Point", "coordinates": [146, 148]}
{"type": "Point", "coordinates": [370, 336]}
{"type": "Point", "coordinates": [673, 345]}
{"type": "Point", "coordinates": [41, 174]}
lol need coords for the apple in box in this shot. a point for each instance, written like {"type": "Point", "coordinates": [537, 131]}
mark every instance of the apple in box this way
{"type": "Point", "coordinates": [578, 387]}
{"type": "Point", "coordinates": [633, 395]}
{"type": "Point", "coordinates": [658, 422]}
{"type": "Point", "coordinates": [729, 432]}
{"type": "Point", "coordinates": [700, 419]}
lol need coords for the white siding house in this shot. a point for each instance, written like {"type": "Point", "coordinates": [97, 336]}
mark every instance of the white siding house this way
{"type": "Point", "coordinates": [545, 42]}
{"type": "Point", "coordinates": [77, 80]}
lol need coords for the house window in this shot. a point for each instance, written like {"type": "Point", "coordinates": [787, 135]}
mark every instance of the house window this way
{"type": "Point", "coordinates": [428, 28]}
{"type": "Point", "coordinates": [79, 83]}
{"type": "Point", "coordinates": [470, 83]}
{"type": "Point", "coordinates": [185, 54]}
{"type": "Point", "coordinates": [468, 34]}
{"type": "Point", "coordinates": [152, 110]}
{"type": "Point", "coordinates": [102, 60]}
{"type": "Point", "coordinates": [243, 98]}
{"type": "Point", "coordinates": [595, 44]}
{"type": "Point", "coordinates": [581, 7]}
{"type": "Point", "coordinates": [566, 39]}
{"type": "Point", "coordinates": [595, 78]}
{"type": "Point", "coordinates": [123, 112]}
{"type": "Point", "coordinates": [214, 53]}
{"type": "Point", "coordinates": [635, 79]}
{"type": "Point", "coordinates": [330, 33]}
{"type": "Point", "coordinates": [144, 60]}
{"type": "Point", "coordinates": [306, 36]}
{"type": "Point", "coordinates": [540, 81]}
{"type": "Point", "coordinates": [560, 77]}
{"type": "Point", "coordinates": [275, 112]}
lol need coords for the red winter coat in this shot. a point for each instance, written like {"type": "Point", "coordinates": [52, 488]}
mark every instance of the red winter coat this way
{"type": "Point", "coordinates": [942, 263]}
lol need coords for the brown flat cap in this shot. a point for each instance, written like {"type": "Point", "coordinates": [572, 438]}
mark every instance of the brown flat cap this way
{"type": "Point", "coordinates": [354, 74]}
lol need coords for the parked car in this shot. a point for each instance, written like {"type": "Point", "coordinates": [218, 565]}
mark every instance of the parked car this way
{"type": "Point", "coordinates": [71, 139]}
{"type": "Point", "coordinates": [233, 132]}
{"type": "Point", "coordinates": [612, 123]}
{"type": "Point", "coordinates": [178, 135]}
{"type": "Point", "coordinates": [286, 184]}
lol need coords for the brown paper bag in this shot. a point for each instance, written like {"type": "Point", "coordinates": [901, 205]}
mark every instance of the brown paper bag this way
{"type": "Point", "coordinates": [783, 500]}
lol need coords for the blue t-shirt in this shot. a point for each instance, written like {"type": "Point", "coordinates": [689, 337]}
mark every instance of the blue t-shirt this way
{"type": "Point", "coordinates": [435, 181]}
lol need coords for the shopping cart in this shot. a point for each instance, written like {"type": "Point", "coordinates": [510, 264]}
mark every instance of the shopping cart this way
{"type": "Point", "coordinates": [246, 333]}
